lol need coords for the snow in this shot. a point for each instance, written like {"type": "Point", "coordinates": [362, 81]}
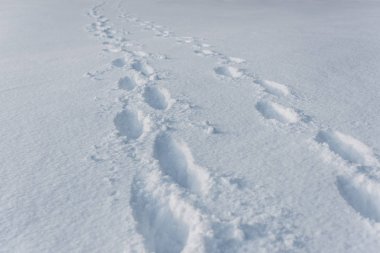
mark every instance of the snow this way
{"type": "Point", "coordinates": [189, 126]}
{"type": "Point", "coordinates": [272, 110]}
{"type": "Point", "coordinates": [228, 71]}
{"type": "Point", "coordinates": [362, 193]}
{"type": "Point", "coordinates": [348, 147]}
{"type": "Point", "coordinates": [274, 88]}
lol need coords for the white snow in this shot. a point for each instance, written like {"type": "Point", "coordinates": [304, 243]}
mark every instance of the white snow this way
{"type": "Point", "coordinates": [157, 97]}
{"type": "Point", "coordinates": [176, 160]}
{"type": "Point", "coordinates": [272, 110]}
{"type": "Point", "coordinates": [348, 147]}
{"type": "Point", "coordinates": [362, 193]}
{"type": "Point", "coordinates": [189, 126]}
{"type": "Point", "coordinates": [228, 71]}
{"type": "Point", "coordinates": [274, 88]}
{"type": "Point", "coordinates": [130, 123]}
{"type": "Point", "coordinates": [126, 83]}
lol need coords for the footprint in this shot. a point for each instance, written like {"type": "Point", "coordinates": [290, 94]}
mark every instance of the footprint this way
{"type": "Point", "coordinates": [167, 222]}
{"type": "Point", "coordinates": [103, 19]}
{"type": "Point", "coordinates": [163, 229]}
{"type": "Point", "coordinates": [236, 60]}
{"type": "Point", "coordinates": [362, 193]}
{"type": "Point", "coordinates": [186, 40]}
{"type": "Point", "coordinates": [113, 48]}
{"type": "Point", "coordinates": [158, 98]}
{"type": "Point", "coordinates": [143, 68]}
{"type": "Point", "coordinates": [126, 83]}
{"type": "Point", "coordinates": [272, 110]}
{"type": "Point", "coordinates": [348, 147]}
{"type": "Point", "coordinates": [130, 123]}
{"type": "Point", "coordinates": [228, 71]}
{"type": "Point", "coordinates": [163, 34]}
{"type": "Point", "coordinates": [119, 62]}
{"type": "Point", "coordinates": [176, 161]}
{"type": "Point", "coordinates": [204, 52]}
{"type": "Point", "coordinates": [140, 54]}
{"type": "Point", "coordinates": [274, 88]}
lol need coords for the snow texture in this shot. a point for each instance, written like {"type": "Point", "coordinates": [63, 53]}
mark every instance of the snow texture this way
{"type": "Point", "coordinates": [189, 126]}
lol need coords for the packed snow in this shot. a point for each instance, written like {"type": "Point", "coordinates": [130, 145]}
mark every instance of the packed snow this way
{"type": "Point", "coordinates": [189, 126]}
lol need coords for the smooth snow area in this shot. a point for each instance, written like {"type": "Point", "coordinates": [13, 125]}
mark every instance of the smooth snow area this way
{"type": "Point", "coordinates": [189, 126]}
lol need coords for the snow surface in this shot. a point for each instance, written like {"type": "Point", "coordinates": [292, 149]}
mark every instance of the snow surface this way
{"type": "Point", "coordinates": [189, 126]}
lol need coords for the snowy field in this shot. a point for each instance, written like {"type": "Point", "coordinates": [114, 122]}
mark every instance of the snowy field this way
{"type": "Point", "coordinates": [174, 126]}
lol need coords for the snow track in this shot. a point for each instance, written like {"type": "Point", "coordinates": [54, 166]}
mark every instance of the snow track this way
{"type": "Point", "coordinates": [272, 110]}
{"type": "Point", "coordinates": [362, 193]}
{"type": "Point", "coordinates": [126, 83]}
{"type": "Point", "coordinates": [348, 147]}
{"type": "Point", "coordinates": [274, 88]}
{"type": "Point", "coordinates": [158, 98]}
{"type": "Point", "coordinates": [166, 217]}
{"type": "Point", "coordinates": [167, 222]}
{"type": "Point", "coordinates": [168, 195]}
{"type": "Point", "coordinates": [130, 123]}
{"type": "Point", "coordinates": [176, 161]}
{"type": "Point", "coordinates": [119, 63]}
{"type": "Point", "coordinates": [142, 67]}
{"type": "Point", "coordinates": [228, 71]}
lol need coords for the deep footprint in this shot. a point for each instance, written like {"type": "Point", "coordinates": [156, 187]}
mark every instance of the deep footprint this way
{"type": "Point", "coordinates": [274, 88]}
{"type": "Point", "coordinates": [162, 230]}
{"type": "Point", "coordinates": [228, 71]}
{"type": "Point", "coordinates": [362, 193]}
{"type": "Point", "coordinates": [119, 63]}
{"type": "Point", "coordinates": [236, 60]}
{"type": "Point", "coordinates": [158, 98]}
{"type": "Point", "coordinates": [126, 83]}
{"type": "Point", "coordinates": [143, 68]}
{"type": "Point", "coordinates": [272, 110]}
{"type": "Point", "coordinates": [129, 123]}
{"type": "Point", "coordinates": [347, 147]}
{"type": "Point", "coordinates": [176, 160]}
{"type": "Point", "coordinates": [168, 223]}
